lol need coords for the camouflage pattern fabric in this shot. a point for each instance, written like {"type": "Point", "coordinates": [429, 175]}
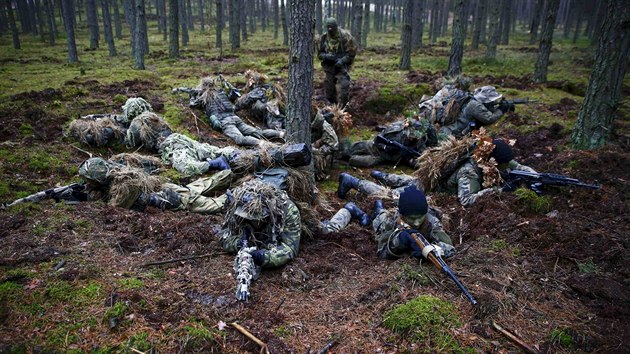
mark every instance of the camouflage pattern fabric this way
{"type": "Point", "coordinates": [466, 181]}
{"type": "Point", "coordinates": [257, 101]}
{"type": "Point", "coordinates": [133, 107]}
{"type": "Point", "coordinates": [325, 143]}
{"type": "Point", "coordinates": [473, 112]}
{"type": "Point", "coordinates": [189, 156]}
{"type": "Point", "coordinates": [280, 245]}
{"type": "Point", "coordinates": [243, 133]}
{"type": "Point", "coordinates": [147, 130]}
{"type": "Point", "coordinates": [344, 48]}
{"type": "Point", "coordinates": [193, 197]}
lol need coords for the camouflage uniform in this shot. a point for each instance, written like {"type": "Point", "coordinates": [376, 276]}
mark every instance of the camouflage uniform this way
{"type": "Point", "coordinates": [325, 143]}
{"type": "Point", "coordinates": [193, 197]}
{"type": "Point", "coordinates": [278, 236]}
{"type": "Point", "coordinates": [467, 181]}
{"type": "Point", "coordinates": [337, 50]}
{"type": "Point", "coordinates": [414, 134]}
{"type": "Point", "coordinates": [474, 113]}
{"type": "Point", "coordinates": [258, 102]}
{"type": "Point", "coordinates": [146, 130]}
{"type": "Point", "coordinates": [189, 156]}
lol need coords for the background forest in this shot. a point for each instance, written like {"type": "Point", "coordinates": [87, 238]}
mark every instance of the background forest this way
{"type": "Point", "coordinates": [553, 270]}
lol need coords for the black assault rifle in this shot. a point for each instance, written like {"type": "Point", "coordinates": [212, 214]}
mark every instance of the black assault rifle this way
{"type": "Point", "coordinates": [233, 92]}
{"type": "Point", "coordinates": [511, 102]}
{"type": "Point", "coordinates": [403, 149]}
{"type": "Point", "coordinates": [72, 193]}
{"type": "Point", "coordinates": [436, 259]}
{"type": "Point", "coordinates": [537, 181]}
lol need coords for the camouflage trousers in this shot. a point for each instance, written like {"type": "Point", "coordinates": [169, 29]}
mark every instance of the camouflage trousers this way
{"type": "Point", "coordinates": [245, 134]}
{"type": "Point", "coordinates": [193, 196]}
{"type": "Point", "coordinates": [334, 77]}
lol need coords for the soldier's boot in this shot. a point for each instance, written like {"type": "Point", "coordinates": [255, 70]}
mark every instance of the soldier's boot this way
{"type": "Point", "coordinates": [378, 175]}
{"type": "Point", "coordinates": [218, 164]}
{"type": "Point", "coordinates": [346, 183]}
{"type": "Point", "coordinates": [358, 214]}
{"type": "Point", "coordinates": [378, 207]}
{"type": "Point", "coordinates": [167, 199]}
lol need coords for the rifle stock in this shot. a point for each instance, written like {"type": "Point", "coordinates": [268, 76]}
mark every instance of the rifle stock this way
{"type": "Point", "coordinates": [537, 181]}
{"type": "Point", "coordinates": [411, 152]}
{"type": "Point", "coordinates": [245, 270]}
{"type": "Point", "coordinates": [68, 192]}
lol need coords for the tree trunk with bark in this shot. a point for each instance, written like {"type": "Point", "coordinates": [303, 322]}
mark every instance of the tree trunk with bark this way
{"type": "Point", "coordinates": [536, 15]}
{"type": "Point", "coordinates": [319, 17]}
{"type": "Point", "coordinates": [405, 48]}
{"type": "Point", "coordinates": [235, 24]}
{"type": "Point", "coordinates": [139, 33]}
{"type": "Point", "coordinates": [68, 15]}
{"type": "Point", "coordinates": [285, 30]}
{"type": "Point", "coordinates": [92, 22]}
{"type": "Point", "coordinates": [594, 124]}
{"type": "Point", "coordinates": [243, 18]}
{"type": "Point", "coordinates": [546, 38]}
{"type": "Point", "coordinates": [173, 23]}
{"type": "Point", "coordinates": [457, 46]}
{"type": "Point", "coordinates": [14, 31]}
{"type": "Point", "coordinates": [494, 31]}
{"type": "Point", "coordinates": [183, 22]}
{"type": "Point", "coordinates": [50, 11]}
{"type": "Point", "coordinates": [506, 19]}
{"type": "Point", "coordinates": [276, 18]}
{"type": "Point", "coordinates": [219, 26]}
{"type": "Point", "coordinates": [418, 24]}
{"type": "Point", "coordinates": [357, 20]}
{"type": "Point", "coordinates": [117, 21]}
{"type": "Point", "coordinates": [478, 23]}
{"type": "Point", "coordinates": [107, 28]}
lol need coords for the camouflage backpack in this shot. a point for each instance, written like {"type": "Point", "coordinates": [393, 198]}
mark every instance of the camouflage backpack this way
{"type": "Point", "coordinates": [451, 108]}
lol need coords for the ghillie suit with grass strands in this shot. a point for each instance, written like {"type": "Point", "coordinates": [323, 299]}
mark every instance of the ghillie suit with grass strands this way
{"type": "Point", "coordinates": [134, 107]}
{"type": "Point", "coordinates": [96, 132]}
{"type": "Point", "coordinates": [150, 164]}
{"type": "Point", "coordinates": [263, 101]}
{"type": "Point", "coordinates": [274, 221]}
{"type": "Point", "coordinates": [147, 130]}
{"type": "Point", "coordinates": [340, 120]}
{"type": "Point", "coordinates": [438, 163]}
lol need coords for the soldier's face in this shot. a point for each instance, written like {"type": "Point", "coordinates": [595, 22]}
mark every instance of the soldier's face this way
{"type": "Point", "coordinates": [414, 221]}
{"type": "Point", "coordinates": [332, 30]}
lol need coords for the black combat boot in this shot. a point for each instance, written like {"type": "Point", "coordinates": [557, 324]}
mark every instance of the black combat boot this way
{"type": "Point", "coordinates": [218, 164]}
{"type": "Point", "coordinates": [356, 213]}
{"type": "Point", "coordinates": [167, 199]}
{"type": "Point", "coordinates": [378, 207]}
{"type": "Point", "coordinates": [378, 175]}
{"type": "Point", "coordinates": [346, 183]}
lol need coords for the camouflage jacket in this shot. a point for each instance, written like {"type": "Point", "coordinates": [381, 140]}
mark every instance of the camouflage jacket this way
{"type": "Point", "coordinates": [189, 156]}
{"type": "Point", "coordinates": [473, 113]}
{"type": "Point", "coordinates": [280, 245]}
{"type": "Point", "coordinates": [468, 179]}
{"type": "Point", "coordinates": [345, 50]}
{"type": "Point", "coordinates": [219, 106]}
{"type": "Point", "coordinates": [325, 140]}
{"type": "Point", "coordinates": [418, 137]}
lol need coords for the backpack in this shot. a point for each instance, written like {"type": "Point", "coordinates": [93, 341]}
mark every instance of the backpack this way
{"type": "Point", "coordinates": [451, 107]}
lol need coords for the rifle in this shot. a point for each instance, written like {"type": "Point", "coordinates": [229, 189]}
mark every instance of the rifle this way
{"type": "Point", "coordinates": [537, 181]}
{"type": "Point", "coordinates": [183, 89]}
{"type": "Point", "coordinates": [512, 102]}
{"type": "Point", "coordinates": [73, 193]}
{"type": "Point", "coordinates": [244, 269]}
{"type": "Point", "coordinates": [99, 116]}
{"type": "Point", "coordinates": [234, 93]}
{"type": "Point", "coordinates": [403, 149]}
{"type": "Point", "coordinates": [429, 252]}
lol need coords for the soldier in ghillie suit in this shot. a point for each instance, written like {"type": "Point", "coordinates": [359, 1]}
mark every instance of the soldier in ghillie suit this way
{"type": "Point", "coordinates": [147, 130]}
{"type": "Point", "coordinates": [267, 218]}
{"type": "Point", "coordinates": [399, 142]}
{"type": "Point", "coordinates": [135, 188]}
{"type": "Point", "coordinates": [392, 226]}
{"type": "Point", "coordinates": [325, 143]}
{"type": "Point", "coordinates": [471, 169]}
{"type": "Point", "coordinates": [476, 111]}
{"type": "Point", "coordinates": [191, 157]}
{"type": "Point", "coordinates": [107, 129]}
{"type": "Point", "coordinates": [264, 101]}
{"type": "Point", "coordinates": [211, 97]}
{"type": "Point", "coordinates": [337, 50]}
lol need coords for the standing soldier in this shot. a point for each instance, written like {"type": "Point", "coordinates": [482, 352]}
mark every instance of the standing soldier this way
{"type": "Point", "coordinates": [337, 50]}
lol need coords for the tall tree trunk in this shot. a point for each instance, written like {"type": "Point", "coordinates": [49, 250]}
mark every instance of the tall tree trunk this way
{"type": "Point", "coordinates": [189, 17]}
{"type": "Point", "coordinates": [22, 13]}
{"type": "Point", "coordinates": [51, 23]}
{"type": "Point", "coordinates": [300, 81]}
{"type": "Point", "coordinates": [173, 23]}
{"type": "Point", "coordinates": [68, 15]}
{"type": "Point", "coordinates": [601, 13]}
{"type": "Point", "coordinates": [139, 33]}
{"type": "Point", "coordinates": [444, 19]}
{"type": "Point", "coordinates": [536, 15]}
{"type": "Point", "coordinates": [578, 23]}
{"type": "Point", "coordinates": [357, 19]}
{"type": "Point", "coordinates": [594, 124]}
{"type": "Point", "coordinates": [117, 22]}
{"type": "Point", "coordinates": [546, 38]}
{"type": "Point", "coordinates": [366, 23]}
{"type": "Point", "coordinates": [40, 20]}
{"type": "Point", "coordinates": [264, 13]}
{"type": "Point", "coordinates": [235, 24]}
{"type": "Point", "coordinates": [285, 30]}
{"type": "Point", "coordinates": [483, 38]}
{"type": "Point", "coordinates": [481, 9]}
{"type": "Point", "coordinates": [129, 8]}
{"type": "Point", "coordinates": [494, 31]}
{"type": "Point", "coordinates": [219, 26]}
{"type": "Point", "coordinates": [418, 24]}
{"type": "Point", "coordinates": [144, 30]}
{"type": "Point", "coordinates": [163, 19]}
{"type": "Point", "coordinates": [32, 16]}
{"type": "Point", "coordinates": [405, 48]}
{"type": "Point", "coordinates": [319, 17]}
{"type": "Point", "coordinates": [14, 30]}
{"type": "Point", "coordinates": [243, 18]}
{"type": "Point", "coordinates": [202, 19]}
{"type": "Point", "coordinates": [183, 22]}
{"type": "Point", "coordinates": [435, 21]}
{"type": "Point", "coordinates": [92, 22]}
{"type": "Point", "coordinates": [457, 46]}
{"type": "Point", "coordinates": [107, 28]}
{"type": "Point", "coordinates": [4, 20]}
{"type": "Point", "coordinates": [506, 18]}
{"type": "Point", "coordinates": [276, 18]}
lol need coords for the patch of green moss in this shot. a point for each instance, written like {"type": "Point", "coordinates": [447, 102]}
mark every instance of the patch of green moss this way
{"type": "Point", "coordinates": [412, 274]}
{"type": "Point", "coordinates": [119, 99]}
{"type": "Point", "coordinates": [588, 266]}
{"type": "Point", "coordinates": [130, 284]}
{"type": "Point", "coordinates": [428, 320]}
{"type": "Point", "coordinates": [139, 341]}
{"type": "Point", "coordinates": [532, 201]}
{"type": "Point", "coordinates": [199, 335]}
{"type": "Point", "coordinates": [562, 338]}
{"type": "Point", "coordinates": [10, 291]}
{"type": "Point", "coordinates": [115, 312]}
{"type": "Point", "coordinates": [388, 100]}
{"type": "Point", "coordinates": [26, 129]}
{"type": "Point", "coordinates": [498, 245]}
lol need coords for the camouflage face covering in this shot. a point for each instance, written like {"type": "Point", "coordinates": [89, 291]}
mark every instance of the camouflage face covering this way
{"type": "Point", "coordinates": [95, 169]}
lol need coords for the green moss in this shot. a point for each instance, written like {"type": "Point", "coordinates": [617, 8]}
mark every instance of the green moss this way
{"type": "Point", "coordinates": [410, 273]}
{"type": "Point", "coordinates": [119, 99]}
{"type": "Point", "coordinates": [498, 245]}
{"type": "Point", "coordinates": [26, 129]}
{"type": "Point", "coordinates": [282, 332]}
{"type": "Point", "coordinates": [10, 291]}
{"type": "Point", "coordinates": [533, 202]}
{"type": "Point", "coordinates": [115, 312]}
{"type": "Point", "coordinates": [386, 101]}
{"type": "Point", "coordinates": [139, 341]}
{"type": "Point", "coordinates": [562, 338]}
{"type": "Point", "coordinates": [588, 266]}
{"type": "Point", "coordinates": [425, 319]}
{"type": "Point", "coordinates": [130, 284]}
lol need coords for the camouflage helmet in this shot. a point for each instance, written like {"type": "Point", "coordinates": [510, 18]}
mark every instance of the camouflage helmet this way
{"type": "Point", "coordinates": [134, 107]}
{"type": "Point", "coordinates": [487, 94]}
{"type": "Point", "coordinates": [95, 169]}
{"type": "Point", "coordinates": [254, 200]}
{"type": "Point", "coordinates": [251, 207]}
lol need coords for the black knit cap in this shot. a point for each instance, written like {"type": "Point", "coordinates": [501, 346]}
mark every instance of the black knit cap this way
{"type": "Point", "coordinates": [412, 202]}
{"type": "Point", "coordinates": [502, 152]}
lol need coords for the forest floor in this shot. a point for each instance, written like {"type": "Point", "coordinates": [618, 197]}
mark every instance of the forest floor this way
{"type": "Point", "coordinates": [79, 278]}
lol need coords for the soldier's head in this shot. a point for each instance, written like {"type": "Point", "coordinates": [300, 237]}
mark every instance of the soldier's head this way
{"type": "Point", "coordinates": [95, 170]}
{"type": "Point", "coordinates": [486, 94]}
{"type": "Point", "coordinates": [254, 78]}
{"type": "Point", "coordinates": [134, 107]}
{"type": "Point", "coordinates": [331, 26]}
{"type": "Point", "coordinates": [502, 152]}
{"type": "Point", "coordinates": [318, 120]}
{"type": "Point", "coordinates": [413, 206]}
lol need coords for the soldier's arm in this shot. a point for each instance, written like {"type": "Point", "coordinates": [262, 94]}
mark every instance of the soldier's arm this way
{"type": "Point", "coordinates": [437, 230]}
{"type": "Point", "coordinates": [289, 245]}
{"type": "Point", "coordinates": [229, 240]}
{"type": "Point", "coordinates": [350, 49]}
{"type": "Point", "coordinates": [483, 115]}
{"type": "Point", "coordinates": [329, 138]}
{"type": "Point", "coordinates": [469, 185]}
{"type": "Point", "coordinates": [515, 166]}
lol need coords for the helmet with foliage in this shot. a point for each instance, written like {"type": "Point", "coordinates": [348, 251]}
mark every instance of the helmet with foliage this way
{"type": "Point", "coordinates": [96, 169]}
{"type": "Point", "coordinates": [134, 107]}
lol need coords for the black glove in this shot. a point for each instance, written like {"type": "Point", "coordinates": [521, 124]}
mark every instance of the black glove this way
{"type": "Point", "coordinates": [259, 257]}
{"type": "Point", "coordinates": [506, 106]}
{"type": "Point", "coordinates": [328, 58]}
{"type": "Point", "coordinates": [340, 63]}
{"type": "Point", "coordinates": [407, 242]}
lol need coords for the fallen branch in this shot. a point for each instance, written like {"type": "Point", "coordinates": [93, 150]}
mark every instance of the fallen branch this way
{"type": "Point", "coordinates": [176, 260]}
{"type": "Point", "coordinates": [196, 125]}
{"type": "Point", "coordinates": [83, 151]}
{"type": "Point", "coordinates": [261, 344]}
{"type": "Point", "coordinates": [514, 339]}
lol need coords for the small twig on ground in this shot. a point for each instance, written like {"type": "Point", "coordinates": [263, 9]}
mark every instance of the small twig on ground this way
{"type": "Point", "coordinates": [83, 151]}
{"type": "Point", "coordinates": [136, 350]}
{"type": "Point", "coordinates": [177, 260]}
{"type": "Point", "coordinates": [280, 304]}
{"type": "Point", "coordinates": [261, 344]}
{"type": "Point", "coordinates": [196, 125]}
{"type": "Point", "coordinates": [514, 339]}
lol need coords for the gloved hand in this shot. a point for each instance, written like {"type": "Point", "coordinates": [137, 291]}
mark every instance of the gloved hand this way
{"type": "Point", "coordinates": [259, 257]}
{"type": "Point", "coordinates": [506, 106]}
{"type": "Point", "coordinates": [328, 58]}
{"type": "Point", "coordinates": [407, 242]}
{"type": "Point", "coordinates": [339, 63]}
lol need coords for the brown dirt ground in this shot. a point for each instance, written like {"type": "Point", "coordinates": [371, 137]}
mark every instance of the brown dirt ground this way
{"type": "Point", "coordinates": [337, 288]}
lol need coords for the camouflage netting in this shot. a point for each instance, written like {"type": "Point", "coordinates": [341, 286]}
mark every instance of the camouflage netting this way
{"type": "Point", "coordinates": [207, 86]}
{"type": "Point", "coordinates": [254, 78]}
{"type": "Point", "coordinates": [438, 163]}
{"type": "Point", "coordinates": [127, 184]}
{"type": "Point", "coordinates": [254, 196]}
{"type": "Point", "coordinates": [134, 107]}
{"type": "Point", "coordinates": [247, 160]}
{"type": "Point", "coordinates": [99, 132]}
{"type": "Point", "coordinates": [146, 130]}
{"type": "Point", "coordinates": [488, 165]}
{"type": "Point", "coordinates": [145, 162]}
{"type": "Point", "coordinates": [342, 120]}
